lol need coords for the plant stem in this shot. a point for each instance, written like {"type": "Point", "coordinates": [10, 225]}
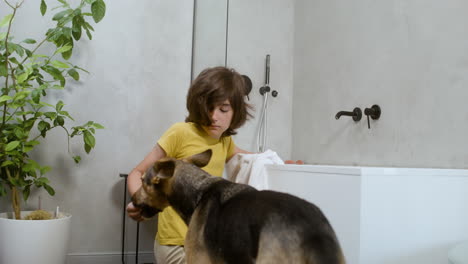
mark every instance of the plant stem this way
{"type": "Point", "coordinates": [6, 61]}
{"type": "Point", "coordinates": [16, 202]}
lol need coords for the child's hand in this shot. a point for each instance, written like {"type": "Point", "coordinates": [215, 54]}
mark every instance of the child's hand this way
{"type": "Point", "coordinates": [134, 212]}
{"type": "Point", "coordinates": [299, 162]}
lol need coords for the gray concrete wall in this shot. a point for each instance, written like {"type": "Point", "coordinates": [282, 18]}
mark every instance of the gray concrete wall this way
{"type": "Point", "coordinates": [257, 28]}
{"type": "Point", "coordinates": [254, 29]}
{"type": "Point", "coordinates": [209, 40]}
{"type": "Point", "coordinates": [409, 57]}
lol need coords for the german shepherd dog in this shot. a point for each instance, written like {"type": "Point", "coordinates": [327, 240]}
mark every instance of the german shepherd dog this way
{"type": "Point", "coordinates": [234, 223]}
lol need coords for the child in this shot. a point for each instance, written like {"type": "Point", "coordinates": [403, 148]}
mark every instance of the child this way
{"type": "Point", "coordinates": [216, 106]}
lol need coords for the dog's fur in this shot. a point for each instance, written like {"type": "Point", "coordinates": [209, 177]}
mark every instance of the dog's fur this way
{"type": "Point", "coordinates": [235, 223]}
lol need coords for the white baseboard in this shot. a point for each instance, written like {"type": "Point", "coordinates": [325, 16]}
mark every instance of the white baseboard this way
{"type": "Point", "coordinates": [110, 258]}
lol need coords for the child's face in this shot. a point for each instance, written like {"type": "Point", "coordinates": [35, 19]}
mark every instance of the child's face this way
{"type": "Point", "coordinates": [221, 116]}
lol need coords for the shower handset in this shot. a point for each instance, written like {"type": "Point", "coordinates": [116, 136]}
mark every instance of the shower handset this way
{"type": "Point", "coordinates": [266, 88]}
{"type": "Point", "coordinates": [267, 70]}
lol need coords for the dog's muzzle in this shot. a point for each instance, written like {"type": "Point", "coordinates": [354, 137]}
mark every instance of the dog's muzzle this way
{"type": "Point", "coordinates": [147, 212]}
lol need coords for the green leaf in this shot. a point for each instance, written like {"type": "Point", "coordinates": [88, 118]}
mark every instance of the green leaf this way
{"type": "Point", "coordinates": [77, 159]}
{"type": "Point", "coordinates": [56, 73]}
{"type": "Point", "coordinates": [43, 126]}
{"type": "Point", "coordinates": [50, 115]}
{"type": "Point", "coordinates": [3, 70]}
{"type": "Point", "coordinates": [32, 143]}
{"type": "Point", "coordinates": [58, 87]}
{"type": "Point", "coordinates": [6, 163]}
{"type": "Point", "coordinates": [2, 35]}
{"type": "Point", "coordinates": [59, 105]}
{"type": "Point", "coordinates": [36, 96]}
{"type": "Point", "coordinates": [60, 15]}
{"type": "Point", "coordinates": [74, 74]}
{"type": "Point", "coordinates": [49, 189]}
{"type": "Point", "coordinates": [28, 146]}
{"type": "Point", "coordinates": [14, 182]}
{"type": "Point", "coordinates": [67, 54]}
{"type": "Point", "coordinates": [19, 132]}
{"type": "Point", "coordinates": [76, 27]}
{"type": "Point", "coordinates": [87, 148]}
{"type": "Point", "coordinates": [5, 20]}
{"type": "Point", "coordinates": [17, 48]}
{"type": "Point", "coordinates": [26, 192]}
{"type": "Point", "coordinates": [98, 8]}
{"type": "Point", "coordinates": [89, 34]}
{"type": "Point", "coordinates": [44, 170]}
{"type": "Point", "coordinates": [45, 104]}
{"type": "Point", "coordinates": [88, 26]}
{"type": "Point", "coordinates": [22, 77]}
{"type": "Point", "coordinates": [98, 126]}
{"type": "Point", "coordinates": [43, 7]}
{"type": "Point", "coordinates": [89, 138]}
{"type": "Point", "coordinates": [41, 181]}
{"type": "Point", "coordinates": [29, 41]}
{"type": "Point", "coordinates": [21, 95]}
{"type": "Point", "coordinates": [60, 64]}
{"type": "Point", "coordinates": [81, 69]}
{"type": "Point", "coordinates": [12, 145]}
{"type": "Point", "coordinates": [59, 121]}
{"type": "Point", "coordinates": [4, 98]}
{"type": "Point", "coordinates": [27, 149]}
{"type": "Point", "coordinates": [14, 60]}
{"type": "Point", "coordinates": [65, 113]}
{"type": "Point", "coordinates": [64, 49]}
{"type": "Point", "coordinates": [28, 52]}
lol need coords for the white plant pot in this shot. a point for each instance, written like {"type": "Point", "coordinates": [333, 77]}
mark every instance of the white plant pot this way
{"type": "Point", "coordinates": [34, 241]}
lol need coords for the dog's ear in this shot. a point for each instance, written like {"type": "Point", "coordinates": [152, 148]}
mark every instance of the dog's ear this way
{"type": "Point", "coordinates": [161, 169]}
{"type": "Point", "coordinates": [165, 168]}
{"type": "Point", "coordinates": [201, 159]}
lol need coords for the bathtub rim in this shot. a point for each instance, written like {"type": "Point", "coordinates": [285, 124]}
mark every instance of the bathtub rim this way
{"type": "Point", "coordinates": [359, 171]}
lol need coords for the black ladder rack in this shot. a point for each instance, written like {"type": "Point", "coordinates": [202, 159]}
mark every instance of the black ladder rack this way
{"type": "Point", "coordinates": [125, 176]}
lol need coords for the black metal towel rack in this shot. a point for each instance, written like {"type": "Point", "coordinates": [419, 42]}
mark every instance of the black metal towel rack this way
{"type": "Point", "coordinates": [125, 176]}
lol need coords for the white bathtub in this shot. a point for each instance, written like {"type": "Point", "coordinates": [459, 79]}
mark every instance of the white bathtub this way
{"type": "Point", "coordinates": [384, 215]}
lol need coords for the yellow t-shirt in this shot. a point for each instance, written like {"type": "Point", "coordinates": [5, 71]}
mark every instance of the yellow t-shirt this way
{"type": "Point", "coordinates": [183, 140]}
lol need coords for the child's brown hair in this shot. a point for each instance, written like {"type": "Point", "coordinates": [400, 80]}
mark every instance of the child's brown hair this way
{"type": "Point", "coordinates": [214, 86]}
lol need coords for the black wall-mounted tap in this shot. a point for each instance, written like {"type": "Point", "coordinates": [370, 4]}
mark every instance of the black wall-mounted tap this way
{"type": "Point", "coordinates": [356, 114]}
{"type": "Point", "coordinates": [374, 112]}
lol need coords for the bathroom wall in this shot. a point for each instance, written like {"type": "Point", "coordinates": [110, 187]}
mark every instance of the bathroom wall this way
{"type": "Point", "coordinates": [255, 29]}
{"type": "Point", "coordinates": [139, 62]}
{"type": "Point", "coordinates": [409, 57]}
{"type": "Point", "coordinates": [209, 38]}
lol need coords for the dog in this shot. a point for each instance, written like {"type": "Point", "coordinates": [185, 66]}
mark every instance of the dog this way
{"type": "Point", "coordinates": [235, 223]}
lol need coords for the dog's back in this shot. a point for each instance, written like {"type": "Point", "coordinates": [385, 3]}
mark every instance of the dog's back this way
{"type": "Point", "coordinates": [235, 223]}
{"type": "Point", "coordinates": [266, 227]}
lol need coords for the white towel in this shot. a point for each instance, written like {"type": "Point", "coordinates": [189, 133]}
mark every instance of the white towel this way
{"type": "Point", "coordinates": [250, 168]}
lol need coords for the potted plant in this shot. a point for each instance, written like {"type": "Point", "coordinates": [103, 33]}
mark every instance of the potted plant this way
{"type": "Point", "coordinates": [27, 114]}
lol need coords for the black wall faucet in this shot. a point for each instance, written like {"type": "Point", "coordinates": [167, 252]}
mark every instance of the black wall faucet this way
{"type": "Point", "coordinates": [356, 114]}
{"type": "Point", "coordinates": [374, 112]}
